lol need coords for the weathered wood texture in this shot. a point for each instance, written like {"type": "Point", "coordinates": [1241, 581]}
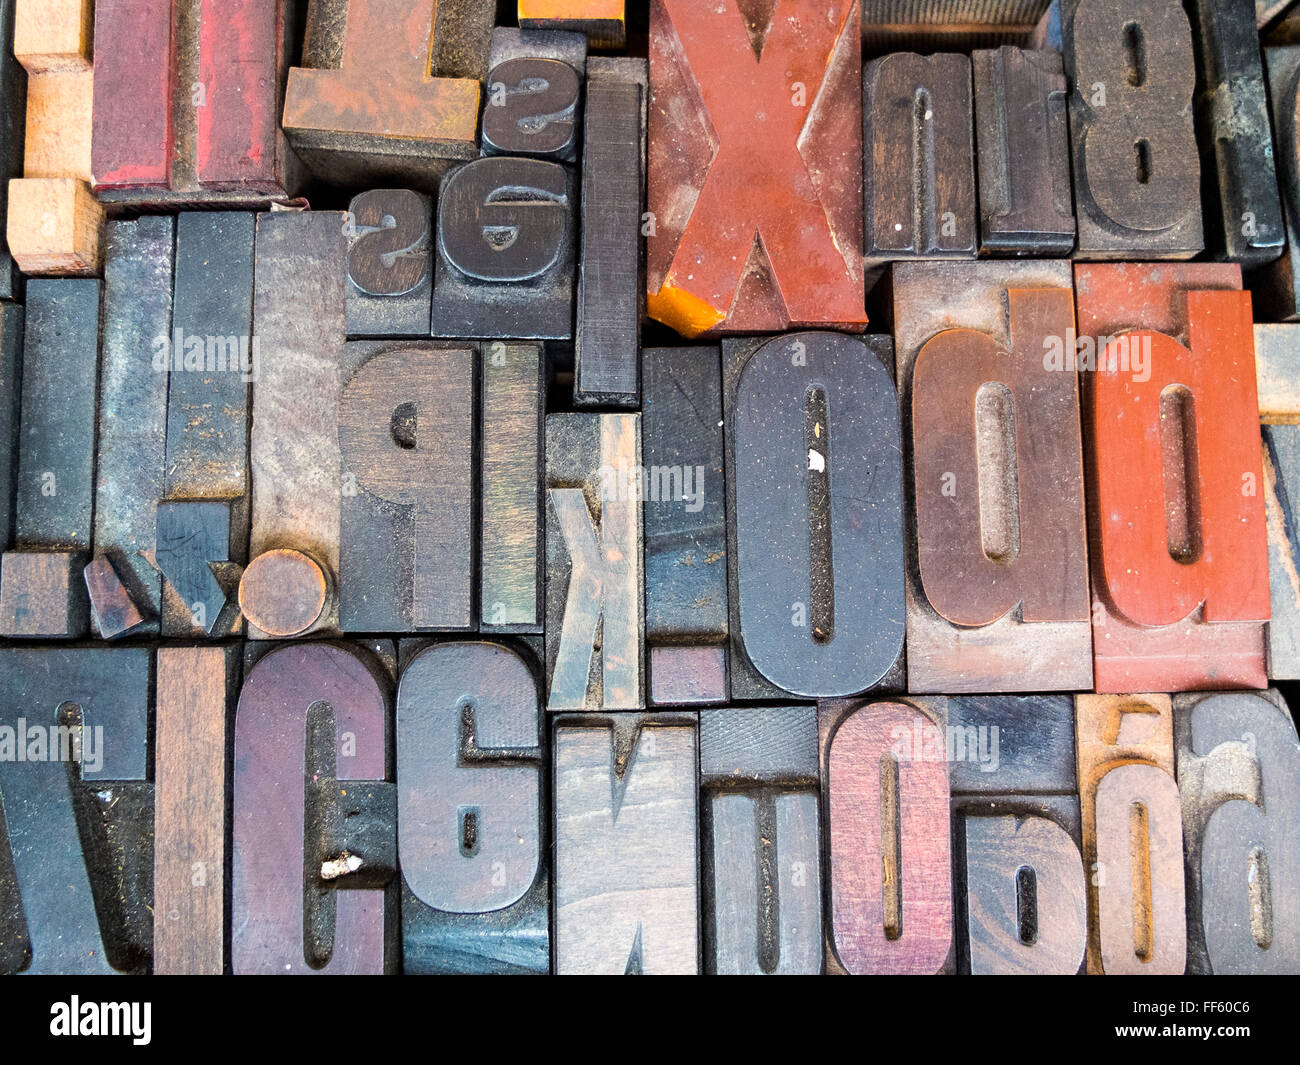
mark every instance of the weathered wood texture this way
{"type": "Point", "coordinates": [603, 21]}
{"type": "Point", "coordinates": [390, 263]}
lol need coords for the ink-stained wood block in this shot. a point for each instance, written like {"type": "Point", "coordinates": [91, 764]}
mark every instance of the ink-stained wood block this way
{"type": "Point", "coordinates": [42, 594]}
{"type": "Point", "coordinates": [299, 300]}
{"type": "Point", "coordinates": [626, 832]}
{"type": "Point", "coordinates": [594, 576]}
{"type": "Point", "coordinates": [761, 840]}
{"type": "Point", "coordinates": [507, 230]}
{"type": "Point", "coordinates": [194, 552]}
{"type": "Point", "coordinates": [475, 887]}
{"type": "Point", "coordinates": [513, 42]}
{"type": "Point", "coordinates": [1011, 745]}
{"type": "Point", "coordinates": [814, 515]}
{"type": "Point", "coordinates": [885, 781]}
{"type": "Point", "coordinates": [997, 589]}
{"type": "Point", "coordinates": [11, 369]}
{"type": "Point", "coordinates": [935, 25]}
{"type": "Point", "coordinates": [512, 592]}
{"type": "Point", "coordinates": [312, 761]}
{"type": "Point", "coordinates": [1238, 778]}
{"type": "Point", "coordinates": [58, 141]}
{"type": "Point", "coordinates": [919, 153]}
{"type": "Point", "coordinates": [611, 282]}
{"type": "Point", "coordinates": [13, 120]}
{"type": "Point", "coordinates": [1170, 411]}
{"type": "Point", "coordinates": [406, 417]}
{"type": "Point", "coordinates": [1132, 834]}
{"type": "Point", "coordinates": [685, 516]}
{"type": "Point", "coordinates": [1023, 151]}
{"type": "Point", "coordinates": [1133, 139]}
{"type": "Point", "coordinates": [1243, 211]}
{"type": "Point", "coordinates": [53, 35]}
{"type": "Point", "coordinates": [77, 820]}
{"type": "Point", "coordinates": [1277, 373]}
{"type": "Point", "coordinates": [1277, 287]}
{"type": "Point", "coordinates": [743, 240]}
{"type": "Point", "coordinates": [532, 108]}
{"type": "Point", "coordinates": [390, 263]}
{"type": "Point", "coordinates": [1281, 487]}
{"type": "Point", "coordinates": [188, 102]}
{"type": "Point", "coordinates": [54, 227]}
{"type": "Point", "coordinates": [389, 89]}
{"type": "Point", "coordinates": [56, 449]}
{"type": "Point", "coordinates": [194, 702]}
{"type": "Point", "coordinates": [131, 457]}
{"type": "Point", "coordinates": [603, 21]}
{"type": "Point", "coordinates": [113, 611]}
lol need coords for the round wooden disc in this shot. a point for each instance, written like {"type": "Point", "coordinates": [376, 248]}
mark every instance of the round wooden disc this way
{"type": "Point", "coordinates": [283, 592]}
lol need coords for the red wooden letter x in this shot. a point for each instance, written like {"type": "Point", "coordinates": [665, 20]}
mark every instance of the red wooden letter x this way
{"type": "Point", "coordinates": [755, 165]}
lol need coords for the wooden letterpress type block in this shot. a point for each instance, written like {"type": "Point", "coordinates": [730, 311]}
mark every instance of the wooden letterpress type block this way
{"type": "Point", "coordinates": [919, 150]}
{"type": "Point", "coordinates": [947, 24]}
{"type": "Point", "coordinates": [388, 91]}
{"type": "Point", "coordinates": [885, 781]}
{"type": "Point", "coordinates": [194, 699]}
{"type": "Point", "coordinates": [1243, 211]}
{"type": "Point", "coordinates": [11, 368]}
{"type": "Point", "coordinates": [1238, 778]}
{"type": "Point", "coordinates": [77, 821]}
{"type": "Point", "coordinates": [603, 21]}
{"type": "Point", "coordinates": [1136, 171]}
{"type": "Point", "coordinates": [314, 837]}
{"type": "Point", "coordinates": [470, 831]}
{"type": "Point", "coordinates": [1023, 144]}
{"type": "Point", "coordinates": [506, 250]}
{"type": "Point", "coordinates": [406, 417]}
{"type": "Point", "coordinates": [390, 263]}
{"type": "Point", "coordinates": [1132, 834]}
{"type": "Point", "coordinates": [594, 575]}
{"type": "Point", "coordinates": [814, 515]}
{"type": "Point", "coordinates": [761, 840]}
{"type": "Point", "coordinates": [129, 471]}
{"type": "Point", "coordinates": [1281, 486]}
{"type": "Point", "coordinates": [686, 616]}
{"type": "Point", "coordinates": [1179, 561]}
{"type": "Point", "coordinates": [626, 832]}
{"type": "Point", "coordinates": [512, 593]}
{"type": "Point", "coordinates": [1277, 287]}
{"type": "Point", "coordinates": [997, 590]}
{"type": "Point", "coordinates": [53, 35]}
{"type": "Point", "coordinates": [297, 470]}
{"type": "Point", "coordinates": [611, 285]}
{"type": "Point", "coordinates": [54, 227]}
{"type": "Point", "coordinates": [747, 240]}
{"type": "Point", "coordinates": [13, 113]}
{"type": "Point", "coordinates": [534, 88]}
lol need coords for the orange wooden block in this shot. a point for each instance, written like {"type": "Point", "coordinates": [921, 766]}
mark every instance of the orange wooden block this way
{"type": "Point", "coordinates": [603, 21]}
{"type": "Point", "coordinates": [53, 35]}
{"type": "Point", "coordinates": [1176, 495]}
{"type": "Point", "coordinates": [55, 227]}
{"type": "Point", "coordinates": [59, 116]}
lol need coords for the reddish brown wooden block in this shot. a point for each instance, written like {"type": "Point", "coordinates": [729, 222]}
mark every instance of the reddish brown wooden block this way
{"type": "Point", "coordinates": [1175, 486]}
{"type": "Point", "coordinates": [1132, 834]}
{"type": "Point", "coordinates": [886, 777]}
{"type": "Point", "coordinates": [603, 21]}
{"type": "Point", "coordinates": [997, 590]}
{"type": "Point", "coordinates": [756, 209]}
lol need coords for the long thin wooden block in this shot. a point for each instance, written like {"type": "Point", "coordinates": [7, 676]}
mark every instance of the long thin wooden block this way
{"type": "Point", "coordinates": [77, 824]}
{"type": "Point", "coordinates": [194, 700]}
{"type": "Point", "coordinates": [312, 722]}
{"type": "Point", "coordinates": [1132, 834]}
{"type": "Point", "coordinates": [1136, 172]}
{"type": "Point", "coordinates": [885, 777]}
{"type": "Point", "coordinates": [1179, 597]}
{"type": "Point", "coordinates": [13, 121]}
{"type": "Point", "coordinates": [938, 24]}
{"type": "Point", "coordinates": [296, 465]}
{"type": "Point", "coordinates": [11, 368]}
{"type": "Point", "coordinates": [507, 234]}
{"type": "Point", "coordinates": [603, 21]}
{"type": "Point", "coordinates": [1281, 458]}
{"type": "Point", "coordinates": [997, 590]}
{"type": "Point", "coordinates": [512, 592]}
{"type": "Point", "coordinates": [1277, 373]}
{"type": "Point", "coordinates": [1243, 212]}
{"type": "Point", "coordinates": [919, 150]}
{"type": "Point", "coordinates": [475, 888]}
{"type": "Point", "coordinates": [390, 263]}
{"type": "Point", "coordinates": [686, 615]}
{"type": "Point", "coordinates": [53, 35]}
{"type": "Point", "coordinates": [1023, 144]}
{"type": "Point", "coordinates": [626, 830]}
{"type": "Point", "coordinates": [135, 59]}
{"type": "Point", "coordinates": [1278, 287]}
{"type": "Point", "coordinates": [54, 227]}
{"type": "Point", "coordinates": [748, 240]}
{"type": "Point", "coordinates": [405, 430]}
{"type": "Point", "coordinates": [1239, 777]}
{"type": "Point", "coordinates": [814, 515]}
{"type": "Point", "coordinates": [594, 608]}
{"type": "Point", "coordinates": [394, 93]}
{"type": "Point", "coordinates": [761, 840]}
{"type": "Point", "coordinates": [130, 462]}
{"type": "Point", "coordinates": [611, 286]}
{"type": "Point", "coordinates": [59, 124]}
{"type": "Point", "coordinates": [512, 42]}
{"type": "Point", "coordinates": [532, 107]}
